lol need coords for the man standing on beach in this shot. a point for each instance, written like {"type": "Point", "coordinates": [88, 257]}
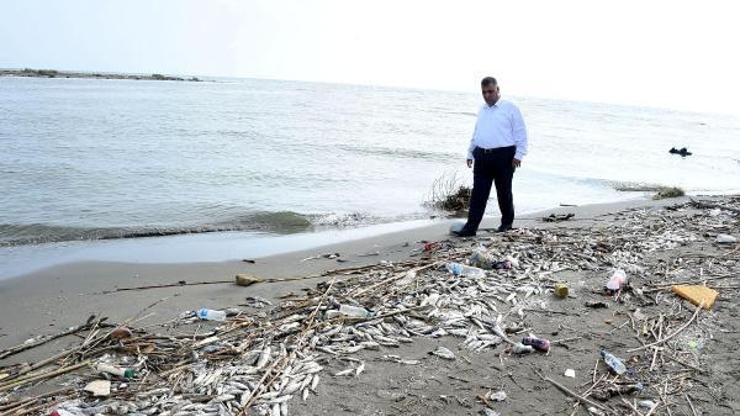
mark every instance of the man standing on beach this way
{"type": "Point", "coordinates": [498, 145]}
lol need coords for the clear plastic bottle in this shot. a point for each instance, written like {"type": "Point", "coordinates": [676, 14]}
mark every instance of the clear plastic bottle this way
{"type": "Point", "coordinates": [353, 311]}
{"type": "Point", "coordinates": [613, 362]}
{"type": "Point", "coordinates": [116, 371]}
{"type": "Point", "coordinates": [465, 271]}
{"type": "Point", "coordinates": [211, 315]}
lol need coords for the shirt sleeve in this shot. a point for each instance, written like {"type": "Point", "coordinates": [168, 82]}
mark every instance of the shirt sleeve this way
{"type": "Point", "coordinates": [519, 131]}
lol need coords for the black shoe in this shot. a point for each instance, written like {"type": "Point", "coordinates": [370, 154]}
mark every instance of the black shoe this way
{"type": "Point", "coordinates": [463, 233]}
{"type": "Point", "coordinates": [503, 228]}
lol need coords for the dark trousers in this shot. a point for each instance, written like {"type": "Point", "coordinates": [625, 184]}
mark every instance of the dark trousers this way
{"type": "Point", "coordinates": [492, 167]}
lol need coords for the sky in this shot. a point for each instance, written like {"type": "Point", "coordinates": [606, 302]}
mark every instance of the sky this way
{"type": "Point", "coordinates": [671, 54]}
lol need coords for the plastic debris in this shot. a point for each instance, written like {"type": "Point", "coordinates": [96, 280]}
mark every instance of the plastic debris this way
{"type": "Point", "coordinates": [614, 363]}
{"type": "Point", "coordinates": [121, 332]}
{"type": "Point", "coordinates": [98, 388]}
{"type": "Point", "coordinates": [726, 239]}
{"type": "Point", "coordinates": [570, 373]}
{"type": "Point", "coordinates": [462, 270]}
{"type": "Point", "coordinates": [540, 344]}
{"type": "Point", "coordinates": [561, 290]}
{"type": "Point", "coordinates": [617, 281]}
{"type": "Point", "coordinates": [211, 315]}
{"type": "Point", "coordinates": [697, 294]}
{"type": "Point", "coordinates": [353, 311]}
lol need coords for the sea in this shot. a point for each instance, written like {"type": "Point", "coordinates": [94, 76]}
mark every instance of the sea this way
{"type": "Point", "coordinates": [167, 171]}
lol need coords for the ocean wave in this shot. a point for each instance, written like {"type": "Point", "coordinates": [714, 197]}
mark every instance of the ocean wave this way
{"type": "Point", "coordinates": [281, 222]}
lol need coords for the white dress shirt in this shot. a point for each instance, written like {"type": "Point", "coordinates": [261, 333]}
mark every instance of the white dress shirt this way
{"type": "Point", "coordinates": [499, 125]}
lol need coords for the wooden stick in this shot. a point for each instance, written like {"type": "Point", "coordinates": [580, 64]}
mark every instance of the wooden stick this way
{"type": "Point", "coordinates": [661, 341]}
{"type": "Point", "coordinates": [22, 347]}
{"type": "Point", "coordinates": [691, 405]}
{"type": "Point", "coordinates": [51, 374]}
{"type": "Point", "coordinates": [573, 394]}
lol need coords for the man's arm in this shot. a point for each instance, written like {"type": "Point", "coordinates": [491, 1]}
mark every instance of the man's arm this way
{"type": "Point", "coordinates": [471, 147]}
{"type": "Point", "coordinates": [519, 131]}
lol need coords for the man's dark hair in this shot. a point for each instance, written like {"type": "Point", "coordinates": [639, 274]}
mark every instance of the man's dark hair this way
{"type": "Point", "coordinates": [488, 81]}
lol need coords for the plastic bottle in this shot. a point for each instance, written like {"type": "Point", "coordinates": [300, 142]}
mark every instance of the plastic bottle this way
{"type": "Point", "coordinates": [616, 281]}
{"type": "Point", "coordinates": [465, 271]}
{"type": "Point", "coordinates": [211, 315]}
{"type": "Point", "coordinates": [480, 258]}
{"type": "Point", "coordinates": [116, 371]}
{"type": "Point", "coordinates": [615, 364]}
{"type": "Point", "coordinates": [540, 344]}
{"type": "Point", "coordinates": [353, 311]}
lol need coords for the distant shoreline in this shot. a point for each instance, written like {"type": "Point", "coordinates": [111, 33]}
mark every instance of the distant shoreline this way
{"type": "Point", "coordinates": [53, 73]}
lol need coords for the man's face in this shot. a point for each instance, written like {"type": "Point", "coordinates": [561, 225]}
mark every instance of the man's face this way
{"type": "Point", "coordinates": [490, 94]}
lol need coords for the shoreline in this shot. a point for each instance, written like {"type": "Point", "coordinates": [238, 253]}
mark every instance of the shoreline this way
{"type": "Point", "coordinates": [225, 246]}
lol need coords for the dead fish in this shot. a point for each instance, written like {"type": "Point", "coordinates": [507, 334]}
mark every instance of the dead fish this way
{"type": "Point", "coordinates": [443, 352]}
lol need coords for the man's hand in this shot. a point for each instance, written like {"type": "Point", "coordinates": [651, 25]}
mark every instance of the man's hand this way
{"type": "Point", "coordinates": [515, 162]}
{"type": "Point", "coordinates": [470, 163]}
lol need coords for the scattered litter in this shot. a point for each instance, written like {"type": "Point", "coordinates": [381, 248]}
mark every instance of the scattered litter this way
{"type": "Point", "coordinates": [617, 280]}
{"type": "Point", "coordinates": [462, 270]}
{"type": "Point", "coordinates": [561, 290]}
{"type": "Point", "coordinates": [211, 315]}
{"type": "Point", "coordinates": [558, 217]}
{"type": "Point", "coordinates": [98, 388]}
{"type": "Point", "coordinates": [121, 332]}
{"type": "Point", "coordinates": [698, 295]}
{"type": "Point", "coordinates": [498, 396]}
{"type": "Point", "coordinates": [539, 344]}
{"type": "Point", "coordinates": [520, 348]}
{"type": "Point", "coordinates": [726, 239]}
{"type": "Point", "coordinates": [570, 373]}
{"type": "Point", "coordinates": [596, 304]}
{"type": "Point", "coordinates": [615, 364]}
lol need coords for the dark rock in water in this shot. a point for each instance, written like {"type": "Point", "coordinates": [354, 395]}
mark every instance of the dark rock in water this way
{"type": "Point", "coordinates": [683, 152]}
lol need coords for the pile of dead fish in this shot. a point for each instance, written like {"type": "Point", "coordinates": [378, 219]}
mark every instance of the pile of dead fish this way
{"type": "Point", "coordinates": [261, 364]}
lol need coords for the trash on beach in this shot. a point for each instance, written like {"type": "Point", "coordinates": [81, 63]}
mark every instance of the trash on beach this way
{"type": "Point", "coordinates": [726, 239]}
{"type": "Point", "coordinates": [520, 348]}
{"type": "Point", "coordinates": [211, 315]}
{"type": "Point", "coordinates": [540, 344]}
{"type": "Point", "coordinates": [243, 279]}
{"type": "Point", "coordinates": [114, 370]}
{"type": "Point", "coordinates": [498, 396]}
{"type": "Point", "coordinates": [98, 388]}
{"type": "Point", "coordinates": [462, 270]}
{"type": "Point", "coordinates": [330, 256]}
{"type": "Point", "coordinates": [570, 373]}
{"type": "Point", "coordinates": [616, 282]}
{"type": "Point", "coordinates": [614, 363]}
{"type": "Point", "coordinates": [560, 290]}
{"type": "Point", "coordinates": [596, 304]}
{"type": "Point", "coordinates": [121, 332]}
{"type": "Point", "coordinates": [354, 311]}
{"type": "Point", "coordinates": [698, 295]}
{"type": "Point", "coordinates": [558, 217]}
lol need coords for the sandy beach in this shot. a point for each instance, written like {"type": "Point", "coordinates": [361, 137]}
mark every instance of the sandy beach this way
{"type": "Point", "coordinates": [699, 380]}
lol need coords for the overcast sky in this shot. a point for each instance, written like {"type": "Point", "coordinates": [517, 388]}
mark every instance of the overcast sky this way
{"type": "Point", "coordinates": [659, 53]}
